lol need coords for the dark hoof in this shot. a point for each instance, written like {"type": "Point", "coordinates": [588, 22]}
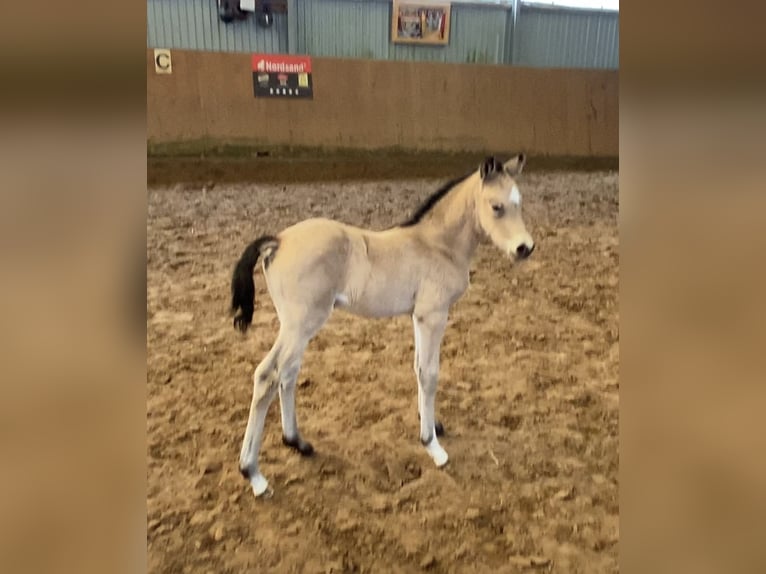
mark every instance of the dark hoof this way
{"type": "Point", "coordinates": [302, 446]}
{"type": "Point", "coordinates": [245, 472]}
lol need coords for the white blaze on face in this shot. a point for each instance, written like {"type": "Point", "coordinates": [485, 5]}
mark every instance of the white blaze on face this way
{"type": "Point", "coordinates": [515, 197]}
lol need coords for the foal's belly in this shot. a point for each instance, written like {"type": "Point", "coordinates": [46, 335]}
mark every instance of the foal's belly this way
{"type": "Point", "coordinates": [378, 299]}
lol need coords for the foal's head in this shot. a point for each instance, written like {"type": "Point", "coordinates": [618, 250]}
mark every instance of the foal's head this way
{"type": "Point", "coordinates": [498, 204]}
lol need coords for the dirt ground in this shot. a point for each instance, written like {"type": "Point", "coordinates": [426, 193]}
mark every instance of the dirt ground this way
{"type": "Point", "coordinates": [528, 396]}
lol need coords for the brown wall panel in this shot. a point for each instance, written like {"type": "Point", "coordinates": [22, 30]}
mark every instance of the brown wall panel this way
{"type": "Point", "coordinates": [371, 104]}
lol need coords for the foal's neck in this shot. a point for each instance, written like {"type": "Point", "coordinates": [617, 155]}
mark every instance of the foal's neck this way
{"type": "Point", "coordinates": [454, 223]}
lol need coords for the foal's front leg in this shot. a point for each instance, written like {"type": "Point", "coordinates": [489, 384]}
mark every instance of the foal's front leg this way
{"type": "Point", "coordinates": [438, 426]}
{"type": "Point", "coordinates": [429, 330]}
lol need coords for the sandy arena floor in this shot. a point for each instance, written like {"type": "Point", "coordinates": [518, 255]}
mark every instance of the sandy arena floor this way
{"type": "Point", "coordinates": [528, 396]}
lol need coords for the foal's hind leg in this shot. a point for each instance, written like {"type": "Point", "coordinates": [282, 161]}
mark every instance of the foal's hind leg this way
{"type": "Point", "coordinates": [279, 370]}
{"type": "Point", "coordinates": [265, 384]}
{"type": "Point", "coordinates": [296, 332]}
{"type": "Point", "coordinates": [290, 364]}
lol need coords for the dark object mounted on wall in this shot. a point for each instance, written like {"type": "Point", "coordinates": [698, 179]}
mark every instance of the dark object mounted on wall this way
{"type": "Point", "coordinates": [264, 10]}
{"type": "Point", "coordinates": [229, 10]}
{"type": "Point", "coordinates": [265, 17]}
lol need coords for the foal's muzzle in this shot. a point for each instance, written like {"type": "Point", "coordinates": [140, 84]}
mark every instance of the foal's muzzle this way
{"type": "Point", "coordinates": [523, 251]}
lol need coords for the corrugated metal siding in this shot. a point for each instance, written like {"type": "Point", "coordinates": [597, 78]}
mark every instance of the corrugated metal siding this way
{"type": "Point", "coordinates": [194, 25]}
{"type": "Point", "coordinates": [337, 28]}
{"type": "Point", "coordinates": [362, 29]}
{"type": "Point", "coordinates": [567, 38]}
{"type": "Point", "coordinates": [544, 37]}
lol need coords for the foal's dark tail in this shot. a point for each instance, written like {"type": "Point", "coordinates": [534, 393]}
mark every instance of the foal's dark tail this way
{"type": "Point", "coordinates": [242, 284]}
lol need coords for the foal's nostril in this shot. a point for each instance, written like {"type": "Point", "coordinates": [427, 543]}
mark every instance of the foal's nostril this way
{"type": "Point", "coordinates": [523, 251]}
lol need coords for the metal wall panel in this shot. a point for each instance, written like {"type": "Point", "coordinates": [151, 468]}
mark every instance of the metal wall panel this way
{"type": "Point", "coordinates": [362, 29]}
{"type": "Point", "coordinates": [194, 25]}
{"type": "Point", "coordinates": [566, 38]}
{"type": "Point", "coordinates": [542, 36]}
{"type": "Point", "coordinates": [344, 29]}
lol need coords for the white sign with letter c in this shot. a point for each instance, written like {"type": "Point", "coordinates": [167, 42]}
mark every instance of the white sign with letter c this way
{"type": "Point", "coordinates": [162, 62]}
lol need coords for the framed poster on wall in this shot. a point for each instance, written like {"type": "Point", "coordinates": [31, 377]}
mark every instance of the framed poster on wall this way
{"type": "Point", "coordinates": [420, 22]}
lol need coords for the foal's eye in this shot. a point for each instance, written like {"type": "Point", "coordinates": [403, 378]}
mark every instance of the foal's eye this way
{"type": "Point", "coordinates": [498, 209]}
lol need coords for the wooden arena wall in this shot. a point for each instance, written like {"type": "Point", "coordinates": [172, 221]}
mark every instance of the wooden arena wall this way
{"type": "Point", "coordinates": [369, 105]}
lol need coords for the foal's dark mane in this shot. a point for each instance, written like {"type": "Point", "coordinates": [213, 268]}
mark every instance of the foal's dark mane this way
{"type": "Point", "coordinates": [429, 203]}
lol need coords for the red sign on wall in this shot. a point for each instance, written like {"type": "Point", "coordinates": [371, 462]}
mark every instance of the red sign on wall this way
{"type": "Point", "coordinates": [279, 76]}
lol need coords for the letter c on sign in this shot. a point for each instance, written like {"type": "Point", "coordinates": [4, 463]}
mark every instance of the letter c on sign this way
{"type": "Point", "coordinates": [162, 62]}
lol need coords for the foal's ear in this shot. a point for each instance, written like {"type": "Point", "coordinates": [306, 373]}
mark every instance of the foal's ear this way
{"type": "Point", "coordinates": [516, 164]}
{"type": "Point", "coordinates": [489, 166]}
